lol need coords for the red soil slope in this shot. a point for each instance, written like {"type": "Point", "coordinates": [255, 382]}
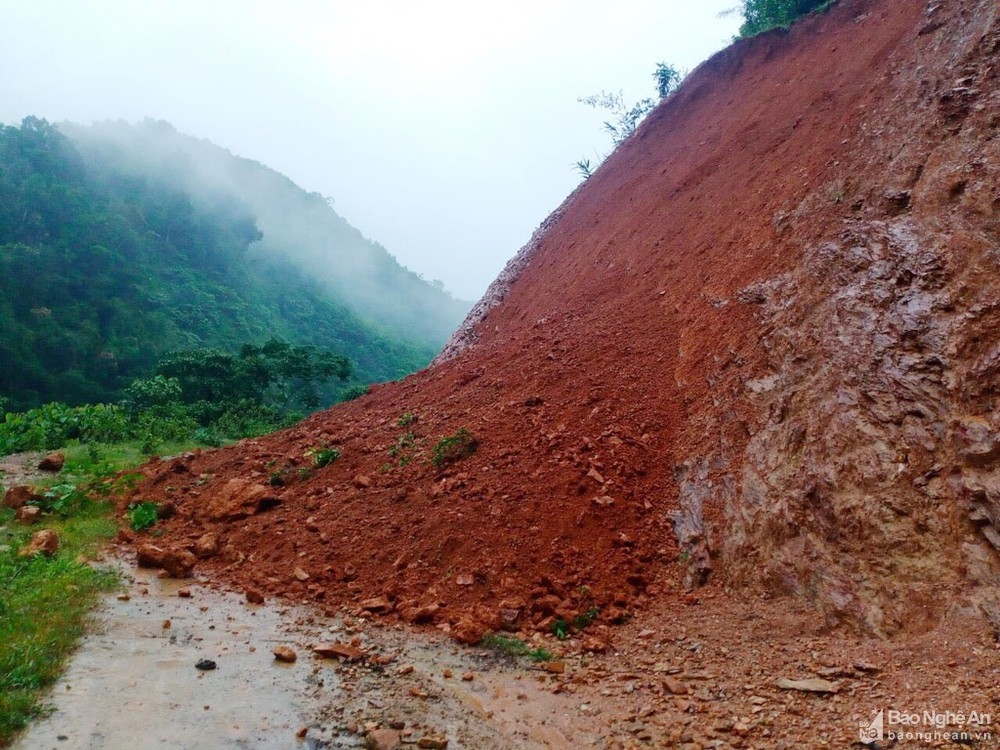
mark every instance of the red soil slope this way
{"type": "Point", "coordinates": [766, 328]}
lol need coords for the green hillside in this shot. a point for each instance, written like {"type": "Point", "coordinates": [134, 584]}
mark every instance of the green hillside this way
{"type": "Point", "coordinates": [108, 264]}
{"type": "Point", "coordinates": [294, 224]}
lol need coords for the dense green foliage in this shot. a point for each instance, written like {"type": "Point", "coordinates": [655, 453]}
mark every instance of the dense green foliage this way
{"type": "Point", "coordinates": [762, 15]}
{"type": "Point", "coordinates": [105, 268]}
{"type": "Point", "coordinates": [205, 395]}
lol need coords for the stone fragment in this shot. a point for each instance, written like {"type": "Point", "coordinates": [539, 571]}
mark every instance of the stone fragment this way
{"type": "Point", "coordinates": [300, 575]}
{"type": "Point", "coordinates": [207, 545]}
{"type": "Point", "coordinates": [178, 563]}
{"type": "Point", "coordinates": [19, 496]}
{"type": "Point", "coordinates": [432, 743]}
{"type": "Point", "coordinates": [814, 685]}
{"type": "Point", "coordinates": [345, 651]}
{"type": "Point", "coordinates": [254, 596]}
{"type": "Point", "coordinates": [675, 686]}
{"type": "Point", "coordinates": [53, 462]}
{"type": "Point", "coordinates": [863, 666]}
{"type": "Point", "coordinates": [420, 615]}
{"type": "Point", "coordinates": [44, 542]}
{"type": "Point", "coordinates": [239, 498]}
{"type": "Point", "coordinates": [382, 739]}
{"type": "Point", "coordinates": [284, 654]}
{"type": "Point", "coordinates": [378, 605]}
{"type": "Point", "coordinates": [29, 514]}
{"type": "Point", "coordinates": [468, 631]}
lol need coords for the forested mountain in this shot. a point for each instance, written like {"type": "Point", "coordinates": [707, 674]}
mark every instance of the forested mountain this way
{"type": "Point", "coordinates": [107, 263]}
{"type": "Point", "coordinates": [295, 224]}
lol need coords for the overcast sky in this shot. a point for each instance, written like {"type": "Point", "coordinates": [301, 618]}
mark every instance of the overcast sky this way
{"type": "Point", "coordinates": [445, 130]}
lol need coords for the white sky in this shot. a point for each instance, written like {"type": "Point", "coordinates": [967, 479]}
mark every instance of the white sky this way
{"type": "Point", "coordinates": [445, 130]}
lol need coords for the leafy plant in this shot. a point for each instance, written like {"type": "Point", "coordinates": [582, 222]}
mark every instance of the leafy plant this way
{"type": "Point", "coordinates": [141, 516]}
{"type": "Point", "coordinates": [407, 420]}
{"type": "Point", "coordinates": [64, 499]}
{"type": "Point", "coordinates": [560, 629]}
{"type": "Point", "coordinates": [454, 448]}
{"type": "Point", "coordinates": [322, 455]}
{"type": "Point", "coordinates": [405, 447]}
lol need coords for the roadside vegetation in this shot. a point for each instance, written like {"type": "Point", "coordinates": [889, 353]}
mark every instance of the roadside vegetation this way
{"type": "Point", "coordinates": [46, 598]}
{"type": "Point", "coordinates": [194, 398]}
{"type": "Point", "coordinates": [203, 396]}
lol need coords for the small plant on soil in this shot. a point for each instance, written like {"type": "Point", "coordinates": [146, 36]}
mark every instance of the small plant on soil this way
{"type": "Point", "coordinates": [405, 447]}
{"type": "Point", "coordinates": [454, 448]}
{"type": "Point", "coordinates": [508, 645]}
{"type": "Point", "coordinates": [406, 420]}
{"type": "Point", "coordinates": [141, 516]}
{"type": "Point", "coordinates": [322, 455]}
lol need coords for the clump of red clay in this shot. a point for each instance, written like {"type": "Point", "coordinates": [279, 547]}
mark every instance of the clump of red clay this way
{"type": "Point", "coordinates": [609, 383]}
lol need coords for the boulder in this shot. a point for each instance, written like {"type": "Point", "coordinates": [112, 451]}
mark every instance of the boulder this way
{"type": "Point", "coordinates": [53, 462]}
{"type": "Point", "coordinates": [240, 498]}
{"type": "Point", "coordinates": [45, 542]}
{"type": "Point", "coordinates": [29, 514]}
{"type": "Point", "coordinates": [19, 496]}
{"type": "Point", "coordinates": [178, 563]}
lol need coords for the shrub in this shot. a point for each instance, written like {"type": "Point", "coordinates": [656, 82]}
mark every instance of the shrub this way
{"type": "Point", "coordinates": [322, 455]}
{"type": "Point", "coordinates": [141, 516]}
{"type": "Point", "coordinates": [454, 448]}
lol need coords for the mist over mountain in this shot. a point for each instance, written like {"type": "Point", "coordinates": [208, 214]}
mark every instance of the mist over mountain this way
{"type": "Point", "coordinates": [295, 224]}
{"type": "Point", "coordinates": [119, 244]}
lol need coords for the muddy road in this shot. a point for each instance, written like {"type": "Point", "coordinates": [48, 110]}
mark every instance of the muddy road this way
{"type": "Point", "coordinates": [134, 682]}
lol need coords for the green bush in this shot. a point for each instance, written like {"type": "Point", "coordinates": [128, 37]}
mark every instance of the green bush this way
{"type": "Point", "coordinates": [54, 425]}
{"type": "Point", "coordinates": [762, 15]}
{"type": "Point", "coordinates": [454, 448]}
{"type": "Point", "coordinates": [322, 455]}
{"type": "Point", "coordinates": [141, 516]}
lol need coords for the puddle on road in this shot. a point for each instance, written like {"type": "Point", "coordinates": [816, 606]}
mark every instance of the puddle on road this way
{"type": "Point", "coordinates": [133, 682]}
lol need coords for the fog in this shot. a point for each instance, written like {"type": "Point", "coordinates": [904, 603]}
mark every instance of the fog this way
{"type": "Point", "coordinates": [446, 131]}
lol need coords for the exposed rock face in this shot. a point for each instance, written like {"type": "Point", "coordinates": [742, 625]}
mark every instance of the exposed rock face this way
{"type": "Point", "coordinates": [759, 347]}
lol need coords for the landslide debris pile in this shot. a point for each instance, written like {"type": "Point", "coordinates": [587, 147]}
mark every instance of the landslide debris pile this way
{"type": "Point", "coordinates": [758, 348]}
